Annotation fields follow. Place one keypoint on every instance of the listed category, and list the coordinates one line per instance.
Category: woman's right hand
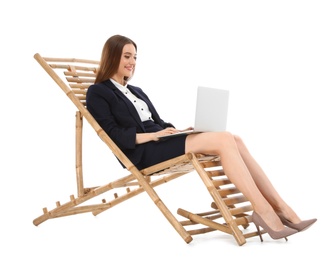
(166, 131)
(147, 137)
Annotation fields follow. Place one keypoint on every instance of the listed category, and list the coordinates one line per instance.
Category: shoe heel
(259, 232)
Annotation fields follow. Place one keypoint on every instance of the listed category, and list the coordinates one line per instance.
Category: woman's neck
(119, 80)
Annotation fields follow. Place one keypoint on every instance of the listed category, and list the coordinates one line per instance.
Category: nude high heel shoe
(301, 226)
(258, 221)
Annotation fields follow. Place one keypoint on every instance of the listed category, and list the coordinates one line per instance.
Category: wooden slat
(215, 173)
(80, 80)
(211, 164)
(232, 200)
(180, 163)
(79, 86)
(70, 60)
(80, 74)
(243, 220)
(80, 92)
(239, 210)
(68, 67)
(228, 191)
(221, 182)
(204, 221)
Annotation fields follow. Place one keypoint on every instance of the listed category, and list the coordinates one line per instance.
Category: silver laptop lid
(211, 109)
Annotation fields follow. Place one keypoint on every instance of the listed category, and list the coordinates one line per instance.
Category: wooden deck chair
(229, 212)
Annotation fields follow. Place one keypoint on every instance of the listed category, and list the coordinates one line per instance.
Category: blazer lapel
(132, 109)
(155, 115)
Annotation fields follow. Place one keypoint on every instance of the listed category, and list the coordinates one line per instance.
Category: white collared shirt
(141, 107)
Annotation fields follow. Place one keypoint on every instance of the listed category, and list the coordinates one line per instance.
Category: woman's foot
(274, 234)
(300, 226)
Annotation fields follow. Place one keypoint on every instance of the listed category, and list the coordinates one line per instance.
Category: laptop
(211, 112)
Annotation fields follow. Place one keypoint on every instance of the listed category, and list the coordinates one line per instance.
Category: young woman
(127, 115)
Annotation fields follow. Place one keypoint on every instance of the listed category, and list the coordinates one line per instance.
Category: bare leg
(224, 145)
(264, 184)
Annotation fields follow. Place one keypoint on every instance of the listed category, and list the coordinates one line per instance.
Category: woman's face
(127, 63)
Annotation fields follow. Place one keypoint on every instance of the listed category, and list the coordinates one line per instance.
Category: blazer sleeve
(113, 115)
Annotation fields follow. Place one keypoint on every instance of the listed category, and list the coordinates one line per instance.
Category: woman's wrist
(154, 136)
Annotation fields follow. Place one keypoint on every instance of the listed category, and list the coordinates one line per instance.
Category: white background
(275, 57)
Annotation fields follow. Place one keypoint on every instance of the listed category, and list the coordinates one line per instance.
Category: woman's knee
(227, 135)
(237, 139)
(224, 138)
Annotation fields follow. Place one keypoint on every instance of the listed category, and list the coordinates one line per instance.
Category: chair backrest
(74, 76)
(79, 74)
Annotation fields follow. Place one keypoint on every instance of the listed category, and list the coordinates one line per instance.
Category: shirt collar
(120, 86)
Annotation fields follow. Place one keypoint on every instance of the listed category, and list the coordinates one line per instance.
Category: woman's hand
(166, 131)
(147, 137)
(187, 129)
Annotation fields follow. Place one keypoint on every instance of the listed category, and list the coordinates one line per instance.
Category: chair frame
(228, 203)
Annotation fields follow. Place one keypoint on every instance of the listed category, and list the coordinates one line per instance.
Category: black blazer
(118, 117)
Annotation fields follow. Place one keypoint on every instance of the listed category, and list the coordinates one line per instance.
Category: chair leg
(78, 153)
(165, 211)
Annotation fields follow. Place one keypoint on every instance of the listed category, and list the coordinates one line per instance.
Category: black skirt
(159, 151)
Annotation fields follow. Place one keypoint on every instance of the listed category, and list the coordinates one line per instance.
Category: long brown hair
(111, 56)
